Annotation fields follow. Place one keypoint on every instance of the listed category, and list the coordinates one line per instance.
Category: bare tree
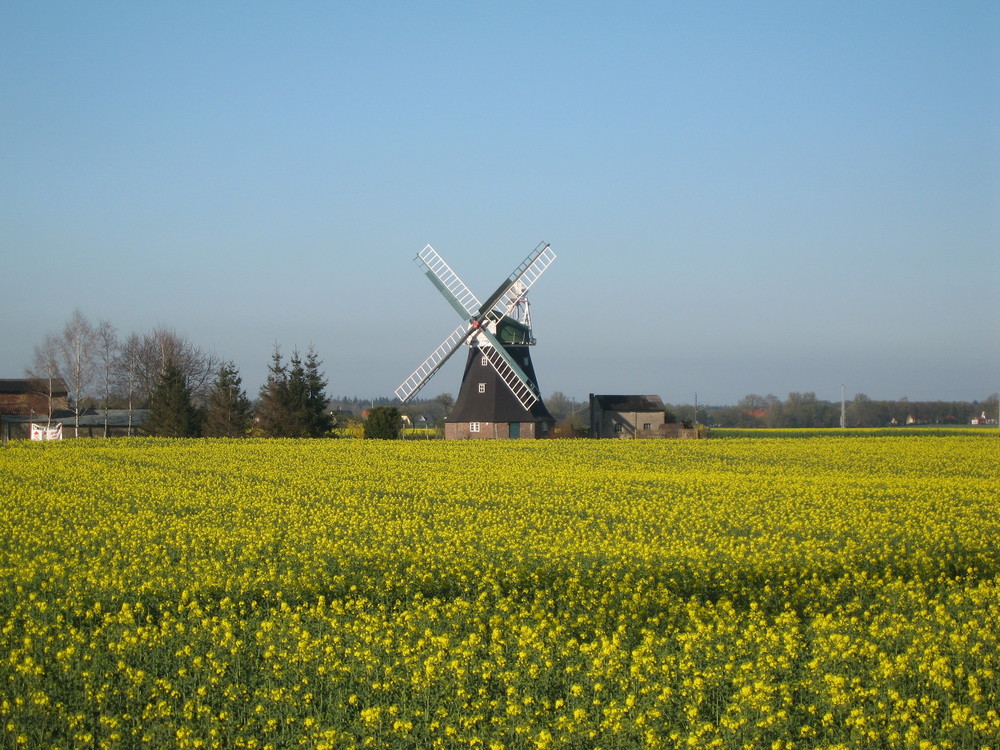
(127, 374)
(200, 367)
(197, 366)
(77, 349)
(44, 371)
(148, 354)
(107, 339)
(559, 405)
(142, 360)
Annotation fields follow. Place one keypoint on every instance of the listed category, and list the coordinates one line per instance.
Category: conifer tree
(297, 393)
(230, 412)
(293, 400)
(318, 419)
(171, 412)
(272, 407)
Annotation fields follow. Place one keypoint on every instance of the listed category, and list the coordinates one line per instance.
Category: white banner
(41, 432)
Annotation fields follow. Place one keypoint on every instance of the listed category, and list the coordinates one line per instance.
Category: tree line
(183, 390)
(805, 410)
(186, 391)
(796, 410)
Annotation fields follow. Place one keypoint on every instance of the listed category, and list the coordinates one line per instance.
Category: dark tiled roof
(24, 385)
(629, 403)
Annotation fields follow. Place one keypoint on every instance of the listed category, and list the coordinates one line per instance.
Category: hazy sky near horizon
(744, 197)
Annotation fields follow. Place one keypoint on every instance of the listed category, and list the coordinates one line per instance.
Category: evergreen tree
(293, 400)
(318, 419)
(272, 409)
(383, 423)
(229, 410)
(297, 397)
(171, 412)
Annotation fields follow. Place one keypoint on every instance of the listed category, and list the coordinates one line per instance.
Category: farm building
(24, 402)
(119, 422)
(632, 417)
(25, 397)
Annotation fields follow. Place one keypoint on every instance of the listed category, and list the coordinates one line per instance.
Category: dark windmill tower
(499, 396)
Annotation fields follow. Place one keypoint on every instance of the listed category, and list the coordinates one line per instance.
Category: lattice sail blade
(525, 275)
(521, 278)
(508, 370)
(453, 288)
(433, 363)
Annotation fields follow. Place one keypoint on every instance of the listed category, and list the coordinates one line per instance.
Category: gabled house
(633, 417)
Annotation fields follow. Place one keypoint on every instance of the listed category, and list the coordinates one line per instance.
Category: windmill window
(473, 426)
(482, 387)
(618, 427)
(484, 361)
(647, 426)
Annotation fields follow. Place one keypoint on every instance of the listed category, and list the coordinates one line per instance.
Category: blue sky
(744, 197)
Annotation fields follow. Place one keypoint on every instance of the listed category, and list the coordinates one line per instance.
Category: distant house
(633, 417)
(26, 397)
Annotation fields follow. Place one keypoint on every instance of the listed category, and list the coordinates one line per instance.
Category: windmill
(499, 395)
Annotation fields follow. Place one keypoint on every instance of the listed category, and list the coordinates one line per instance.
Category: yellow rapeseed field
(746, 593)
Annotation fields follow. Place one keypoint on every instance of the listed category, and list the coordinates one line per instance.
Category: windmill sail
(433, 363)
(509, 372)
(502, 300)
(453, 288)
(521, 277)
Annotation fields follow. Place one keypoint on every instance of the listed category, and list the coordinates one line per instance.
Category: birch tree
(77, 349)
(107, 338)
(44, 371)
(127, 375)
